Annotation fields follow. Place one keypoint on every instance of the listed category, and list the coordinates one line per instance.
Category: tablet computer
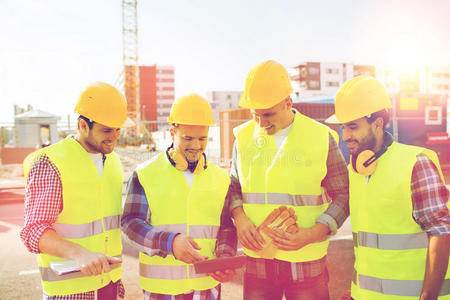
(68, 266)
(64, 267)
(220, 264)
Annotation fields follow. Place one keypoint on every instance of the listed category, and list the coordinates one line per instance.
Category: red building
(157, 93)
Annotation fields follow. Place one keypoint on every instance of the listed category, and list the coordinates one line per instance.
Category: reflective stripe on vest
(412, 288)
(285, 199)
(391, 241)
(168, 272)
(163, 272)
(47, 274)
(195, 231)
(78, 231)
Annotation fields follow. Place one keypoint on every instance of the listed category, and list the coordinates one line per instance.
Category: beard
(192, 158)
(366, 143)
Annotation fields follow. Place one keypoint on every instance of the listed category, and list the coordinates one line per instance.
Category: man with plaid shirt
(398, 202)
(73, 201)
(282, 157)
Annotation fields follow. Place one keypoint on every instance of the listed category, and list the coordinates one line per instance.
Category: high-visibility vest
(91, 212)
(194, 211)
(390, 247)
(289, 176)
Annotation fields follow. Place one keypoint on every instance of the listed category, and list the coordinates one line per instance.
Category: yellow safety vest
(291, 176)
(176, 207)
(91, 212)
(390, 247)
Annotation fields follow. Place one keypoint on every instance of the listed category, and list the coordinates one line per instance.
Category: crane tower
(130, 61)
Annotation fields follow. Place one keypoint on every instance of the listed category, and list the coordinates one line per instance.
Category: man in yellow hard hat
(282, 157)
(175, 213)
(398, 202)
(73, 202)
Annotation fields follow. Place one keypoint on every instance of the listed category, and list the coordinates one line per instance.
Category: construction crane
(130, 62)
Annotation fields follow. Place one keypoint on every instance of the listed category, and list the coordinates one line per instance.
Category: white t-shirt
(281, 135)
(98, 161)
(189, 177)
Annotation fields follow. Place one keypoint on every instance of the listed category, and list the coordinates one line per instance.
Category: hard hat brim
(128, 123)
(333, 120)
(252, 105)
(244, 103)
(170, 121)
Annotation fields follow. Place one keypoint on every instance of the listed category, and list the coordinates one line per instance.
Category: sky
(50, 50)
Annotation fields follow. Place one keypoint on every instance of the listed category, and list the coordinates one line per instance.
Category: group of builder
(181, 209)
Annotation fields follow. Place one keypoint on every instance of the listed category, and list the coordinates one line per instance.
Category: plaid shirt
(43, 204)
(429, 198)
(135, 224)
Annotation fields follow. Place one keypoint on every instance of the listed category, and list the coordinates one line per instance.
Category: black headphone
(365, 162)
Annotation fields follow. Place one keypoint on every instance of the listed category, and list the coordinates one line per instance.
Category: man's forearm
(234, 196)
(90, 263)
(337, 188)
(53, 244)
(226, 243)
(436, 267)
(238, 212)
(135, 223)
(145, 238)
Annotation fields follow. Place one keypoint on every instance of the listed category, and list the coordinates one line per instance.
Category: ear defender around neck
(365, 163)
(180, 162)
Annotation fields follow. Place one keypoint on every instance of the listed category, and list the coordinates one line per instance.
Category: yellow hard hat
(104, 104)
(267, 84)
(357, 98)
(191, 110)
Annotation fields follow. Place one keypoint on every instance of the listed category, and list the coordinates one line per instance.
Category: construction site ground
(19, 275)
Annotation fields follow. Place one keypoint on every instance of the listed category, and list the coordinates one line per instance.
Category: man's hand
(184, 248)
(92, 263)
(303, 237)
(246, 232)
(223, 276)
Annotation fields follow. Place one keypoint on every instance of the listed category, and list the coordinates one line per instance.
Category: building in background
(221, 100)
(437, 80)
(430, 80)
(157, 93)
(318, 79)
(35, 129)
(323, 79)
